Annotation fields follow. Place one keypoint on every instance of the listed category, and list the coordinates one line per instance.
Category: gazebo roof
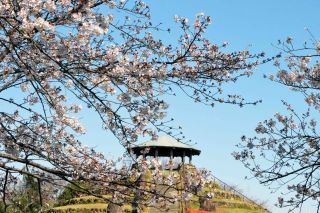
(164, 144)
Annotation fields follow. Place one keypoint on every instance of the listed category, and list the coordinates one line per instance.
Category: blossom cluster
(285, 152)
(59, 56)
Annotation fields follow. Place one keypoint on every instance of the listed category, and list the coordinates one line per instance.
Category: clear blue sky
(244, 24)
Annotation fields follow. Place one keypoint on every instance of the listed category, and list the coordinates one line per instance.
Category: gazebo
(165, 146)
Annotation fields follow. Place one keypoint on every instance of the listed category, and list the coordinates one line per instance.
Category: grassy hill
(225, 200)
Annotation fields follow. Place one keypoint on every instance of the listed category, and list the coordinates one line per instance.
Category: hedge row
(78, 210)
(226, 195)
(81, 201)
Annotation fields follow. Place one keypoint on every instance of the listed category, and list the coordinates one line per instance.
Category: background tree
(27, 197)
(57, 56)
(286, 152)
(27, 194)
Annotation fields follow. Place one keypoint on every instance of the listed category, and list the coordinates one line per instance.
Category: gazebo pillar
(190, 159)
(171, 159)
(156, 153)
(183, 156)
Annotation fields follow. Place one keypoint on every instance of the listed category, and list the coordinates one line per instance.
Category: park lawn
(83, 206)
(91, 197)
(89, 206)
(238, 210)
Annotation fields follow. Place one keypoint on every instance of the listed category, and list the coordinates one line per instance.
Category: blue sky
(247, 24)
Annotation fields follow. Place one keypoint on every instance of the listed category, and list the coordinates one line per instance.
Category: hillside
(226, 200)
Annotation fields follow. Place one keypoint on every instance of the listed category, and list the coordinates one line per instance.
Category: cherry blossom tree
(59, 56)
(286, 151)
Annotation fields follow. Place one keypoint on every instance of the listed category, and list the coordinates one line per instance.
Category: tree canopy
(285, 153)
(59, 56)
